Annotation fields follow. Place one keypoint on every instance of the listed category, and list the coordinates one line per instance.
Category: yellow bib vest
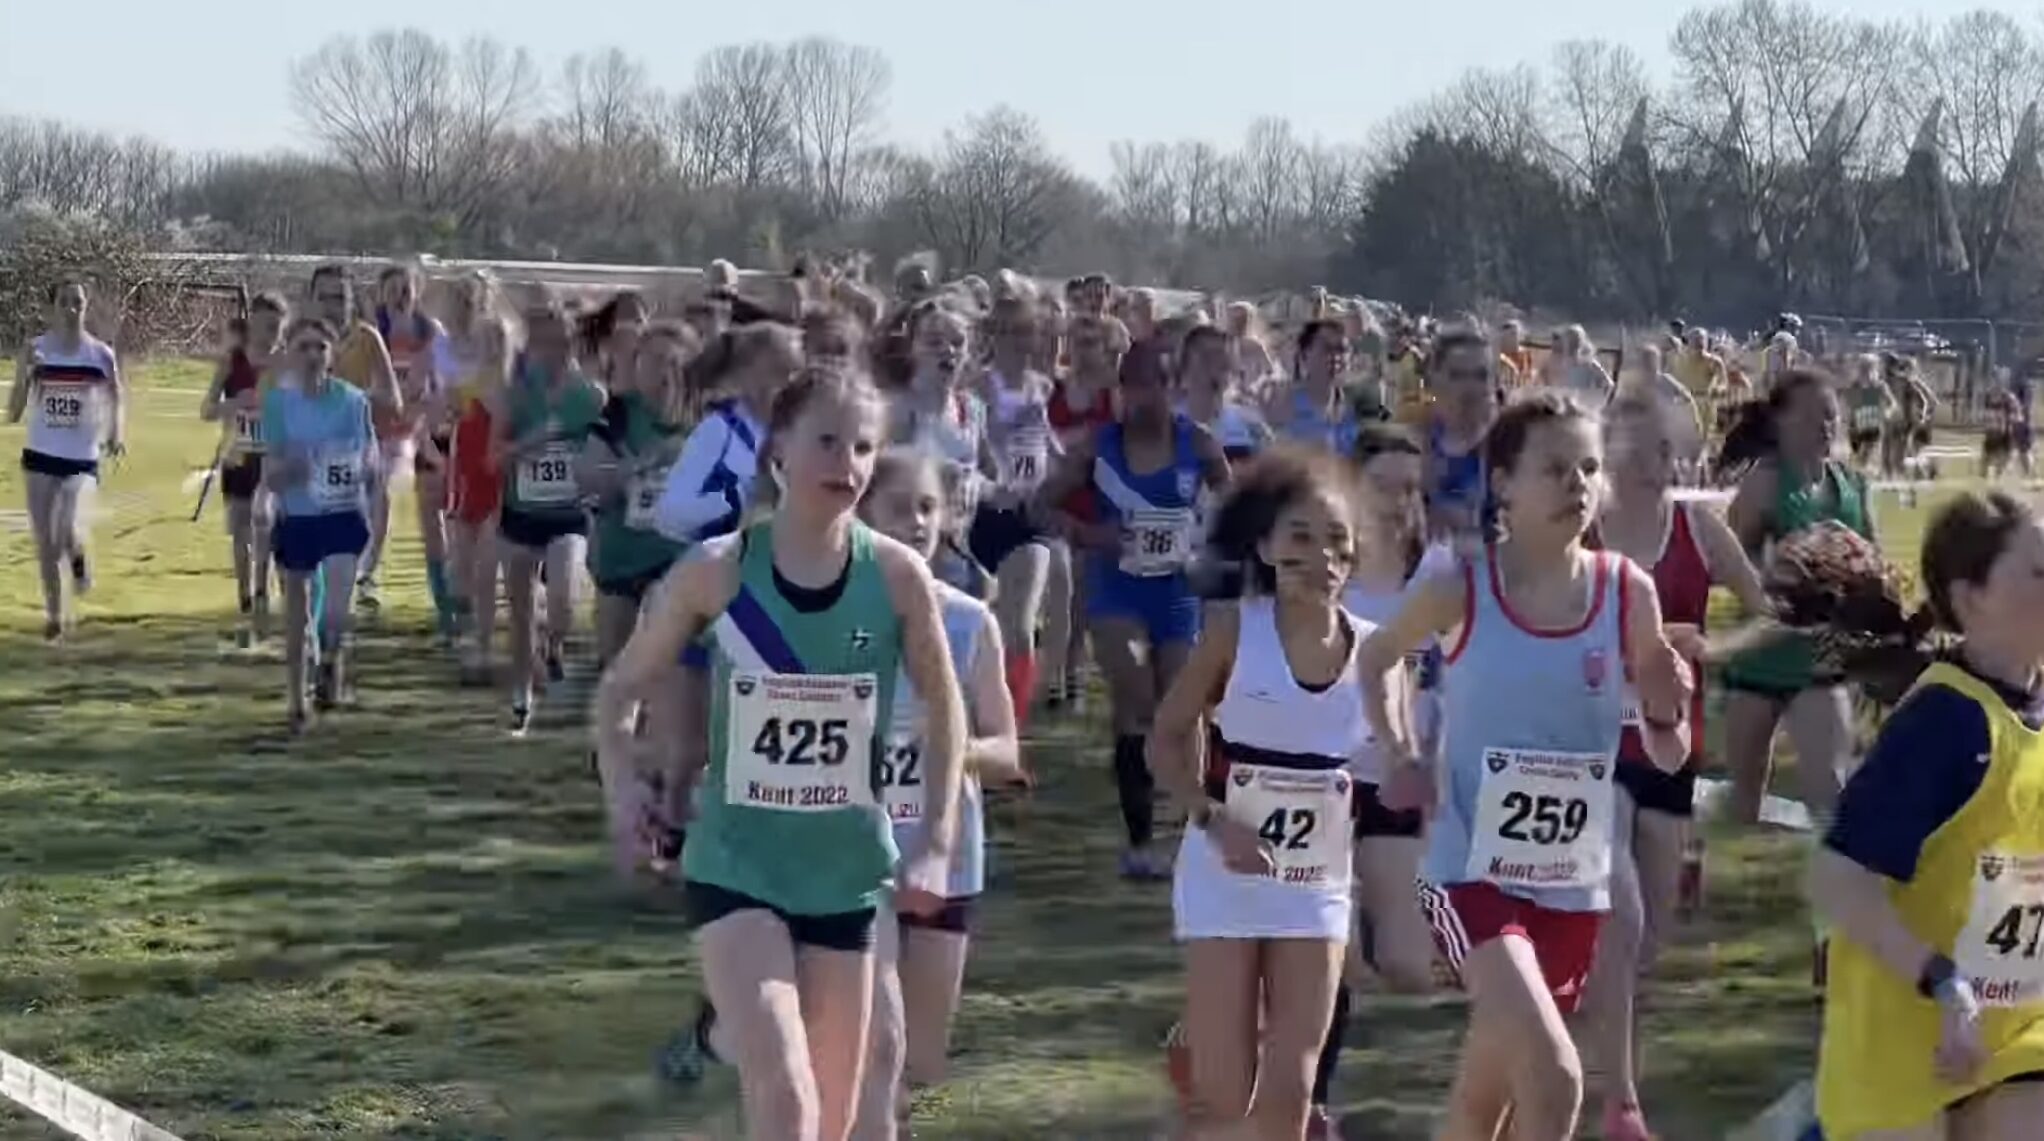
(1978, 896)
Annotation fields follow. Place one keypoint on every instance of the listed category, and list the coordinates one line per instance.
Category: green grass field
(402, 926)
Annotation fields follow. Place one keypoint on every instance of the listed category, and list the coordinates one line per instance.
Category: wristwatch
(1937, 971)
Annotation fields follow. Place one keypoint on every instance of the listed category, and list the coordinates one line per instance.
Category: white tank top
(1264, 706)
(71, 392)
(1019, 423)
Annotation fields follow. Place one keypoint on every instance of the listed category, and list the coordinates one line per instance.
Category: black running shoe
(521, 719)
(687, 1055)
(81, 574)
(323, 688)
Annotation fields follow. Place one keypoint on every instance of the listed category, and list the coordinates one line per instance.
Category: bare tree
(421, 126)
(836, 95)
(740, 101)
(1198, 170)
(1592, 89)
(1271, 158)
(607, 101)
(1143, 182)
(991, 198)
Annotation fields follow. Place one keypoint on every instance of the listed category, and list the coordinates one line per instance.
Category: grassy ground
(402, 927)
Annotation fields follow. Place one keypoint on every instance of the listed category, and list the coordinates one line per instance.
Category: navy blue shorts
(1673, 794)
(998, 532)
(1166, 607)
(303, 542)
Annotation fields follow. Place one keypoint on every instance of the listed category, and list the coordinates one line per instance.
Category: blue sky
(210, 74)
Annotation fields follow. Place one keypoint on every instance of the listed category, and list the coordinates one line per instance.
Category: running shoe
(521, 719)
(1140, 865)
(53, 630)
(324, 691)
(81, 574)
(368, 594)
(687, 1056)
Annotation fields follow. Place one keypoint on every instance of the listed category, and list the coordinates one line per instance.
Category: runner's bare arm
(383, 388)
(926, 659)
(117, 396)
(17, 396)
(209, 404)
(1858, 902)
(993, 751)
(1751, 513)
(1437, 607)
(1213, 459)
(698, 590)
(1726, 559)
(1659, 674)
(1174, 751)
(1070, 474)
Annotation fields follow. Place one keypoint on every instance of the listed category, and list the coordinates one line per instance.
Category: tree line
(1792, 158)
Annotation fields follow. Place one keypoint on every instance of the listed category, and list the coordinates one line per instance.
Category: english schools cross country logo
(1594, 669)
(1991, 868)
(862, 688)
(1495, 760)
(744, 685)
(1596, 770)
(1241, 778)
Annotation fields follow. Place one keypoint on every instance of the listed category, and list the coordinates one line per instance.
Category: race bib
(1027, 459)
(1156, 541)
(337, 479)
(642, 495)
(900, 777)
(548, 479)
(1868, 419)
(1302, 816)
(1543, 819)
(63, 404)
(1633, 722)
(248, 433)
(2001, 951)
(800, 742)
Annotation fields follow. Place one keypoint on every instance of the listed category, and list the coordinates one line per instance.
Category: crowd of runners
(1405, 624)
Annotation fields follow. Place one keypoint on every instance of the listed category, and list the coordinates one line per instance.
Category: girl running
(545, 415)
(235, 400)
(1207, 373)
(1251, 359)
(737, 375)
(1868, 407)
(1930, 873)
(475, 357)
(1147, 470)
(407, 433)
(321, 460)
(1463, 376)
(1003, 537)
(1261, 894)
(935, 413)
(1313, 409)
(1783, 445)
(1688, 549)
(1080, 404)
(811, 616)
(623, 470)
(1543, 637)
(920, 960)
(79, 414)
(1997, 442)
(1909, 431)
